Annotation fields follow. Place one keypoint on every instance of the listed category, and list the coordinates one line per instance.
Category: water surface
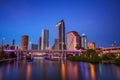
(58, 70)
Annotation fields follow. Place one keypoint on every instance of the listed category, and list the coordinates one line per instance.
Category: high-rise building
(34, 46)
(39, 43)
(55, 46)
(84, 41)
(60, 36)
(73, 40)
(45, 41)
(91, 45)
(24, 42)
(13, 42)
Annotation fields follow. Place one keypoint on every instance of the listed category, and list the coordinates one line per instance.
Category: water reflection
(8, 68)
(28, 74)
(86, 70)
(55, 70)
(72, 71)
(0, 74)
(92, 70)
(117, 71)
(63, 73)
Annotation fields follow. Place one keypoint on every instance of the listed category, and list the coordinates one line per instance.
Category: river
(58, 70)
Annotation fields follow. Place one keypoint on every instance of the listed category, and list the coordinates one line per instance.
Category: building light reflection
(117, 72)
(8, 68)
(92, 70)
(0, 75)
(72, 71)
(28, 74)
(86, 70)
(63, 71)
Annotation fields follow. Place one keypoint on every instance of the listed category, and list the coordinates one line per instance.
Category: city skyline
(99, 20)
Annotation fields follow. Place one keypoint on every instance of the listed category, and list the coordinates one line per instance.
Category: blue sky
(98, 19)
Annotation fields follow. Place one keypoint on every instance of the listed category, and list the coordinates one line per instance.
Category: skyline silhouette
(99, 20)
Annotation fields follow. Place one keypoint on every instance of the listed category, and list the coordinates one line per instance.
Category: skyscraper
(39, 43)
(73, 40)
(13, 42)
(45, 41)
(91, 45)
(60, 36)
(84, 41)
(24, 42)
(34, 46)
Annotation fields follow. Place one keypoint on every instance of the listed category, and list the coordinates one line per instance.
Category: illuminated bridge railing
(47, 51)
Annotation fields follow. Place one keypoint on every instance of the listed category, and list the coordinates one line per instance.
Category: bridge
(50, 53)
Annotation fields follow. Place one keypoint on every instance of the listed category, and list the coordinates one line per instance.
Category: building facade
(60, 36)
(45, 39)
(56, 44)
(91, 45)
(39, 43)
(84, 41)
(24, 42)
(34, 46)
(73, 41)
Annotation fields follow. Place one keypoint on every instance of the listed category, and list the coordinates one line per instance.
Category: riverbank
(92, 56)
(94, 59)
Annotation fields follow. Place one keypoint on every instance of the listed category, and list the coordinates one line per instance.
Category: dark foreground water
(55, 70)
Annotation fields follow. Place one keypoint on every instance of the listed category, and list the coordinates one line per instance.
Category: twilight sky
(98, 19)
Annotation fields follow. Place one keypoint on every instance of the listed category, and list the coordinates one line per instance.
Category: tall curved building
(24, 42)
(60, 36)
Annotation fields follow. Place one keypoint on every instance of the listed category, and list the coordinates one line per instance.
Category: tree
(90, 52)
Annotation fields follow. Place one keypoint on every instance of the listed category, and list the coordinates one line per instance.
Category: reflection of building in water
(92, 70)
(86, 65)
(117, 72)
(0, 75)
(28, 74)
(63, 71)
(72, 71)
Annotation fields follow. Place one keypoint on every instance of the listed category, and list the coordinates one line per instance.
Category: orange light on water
(28, 72)
(63, 71)
(92, 70)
